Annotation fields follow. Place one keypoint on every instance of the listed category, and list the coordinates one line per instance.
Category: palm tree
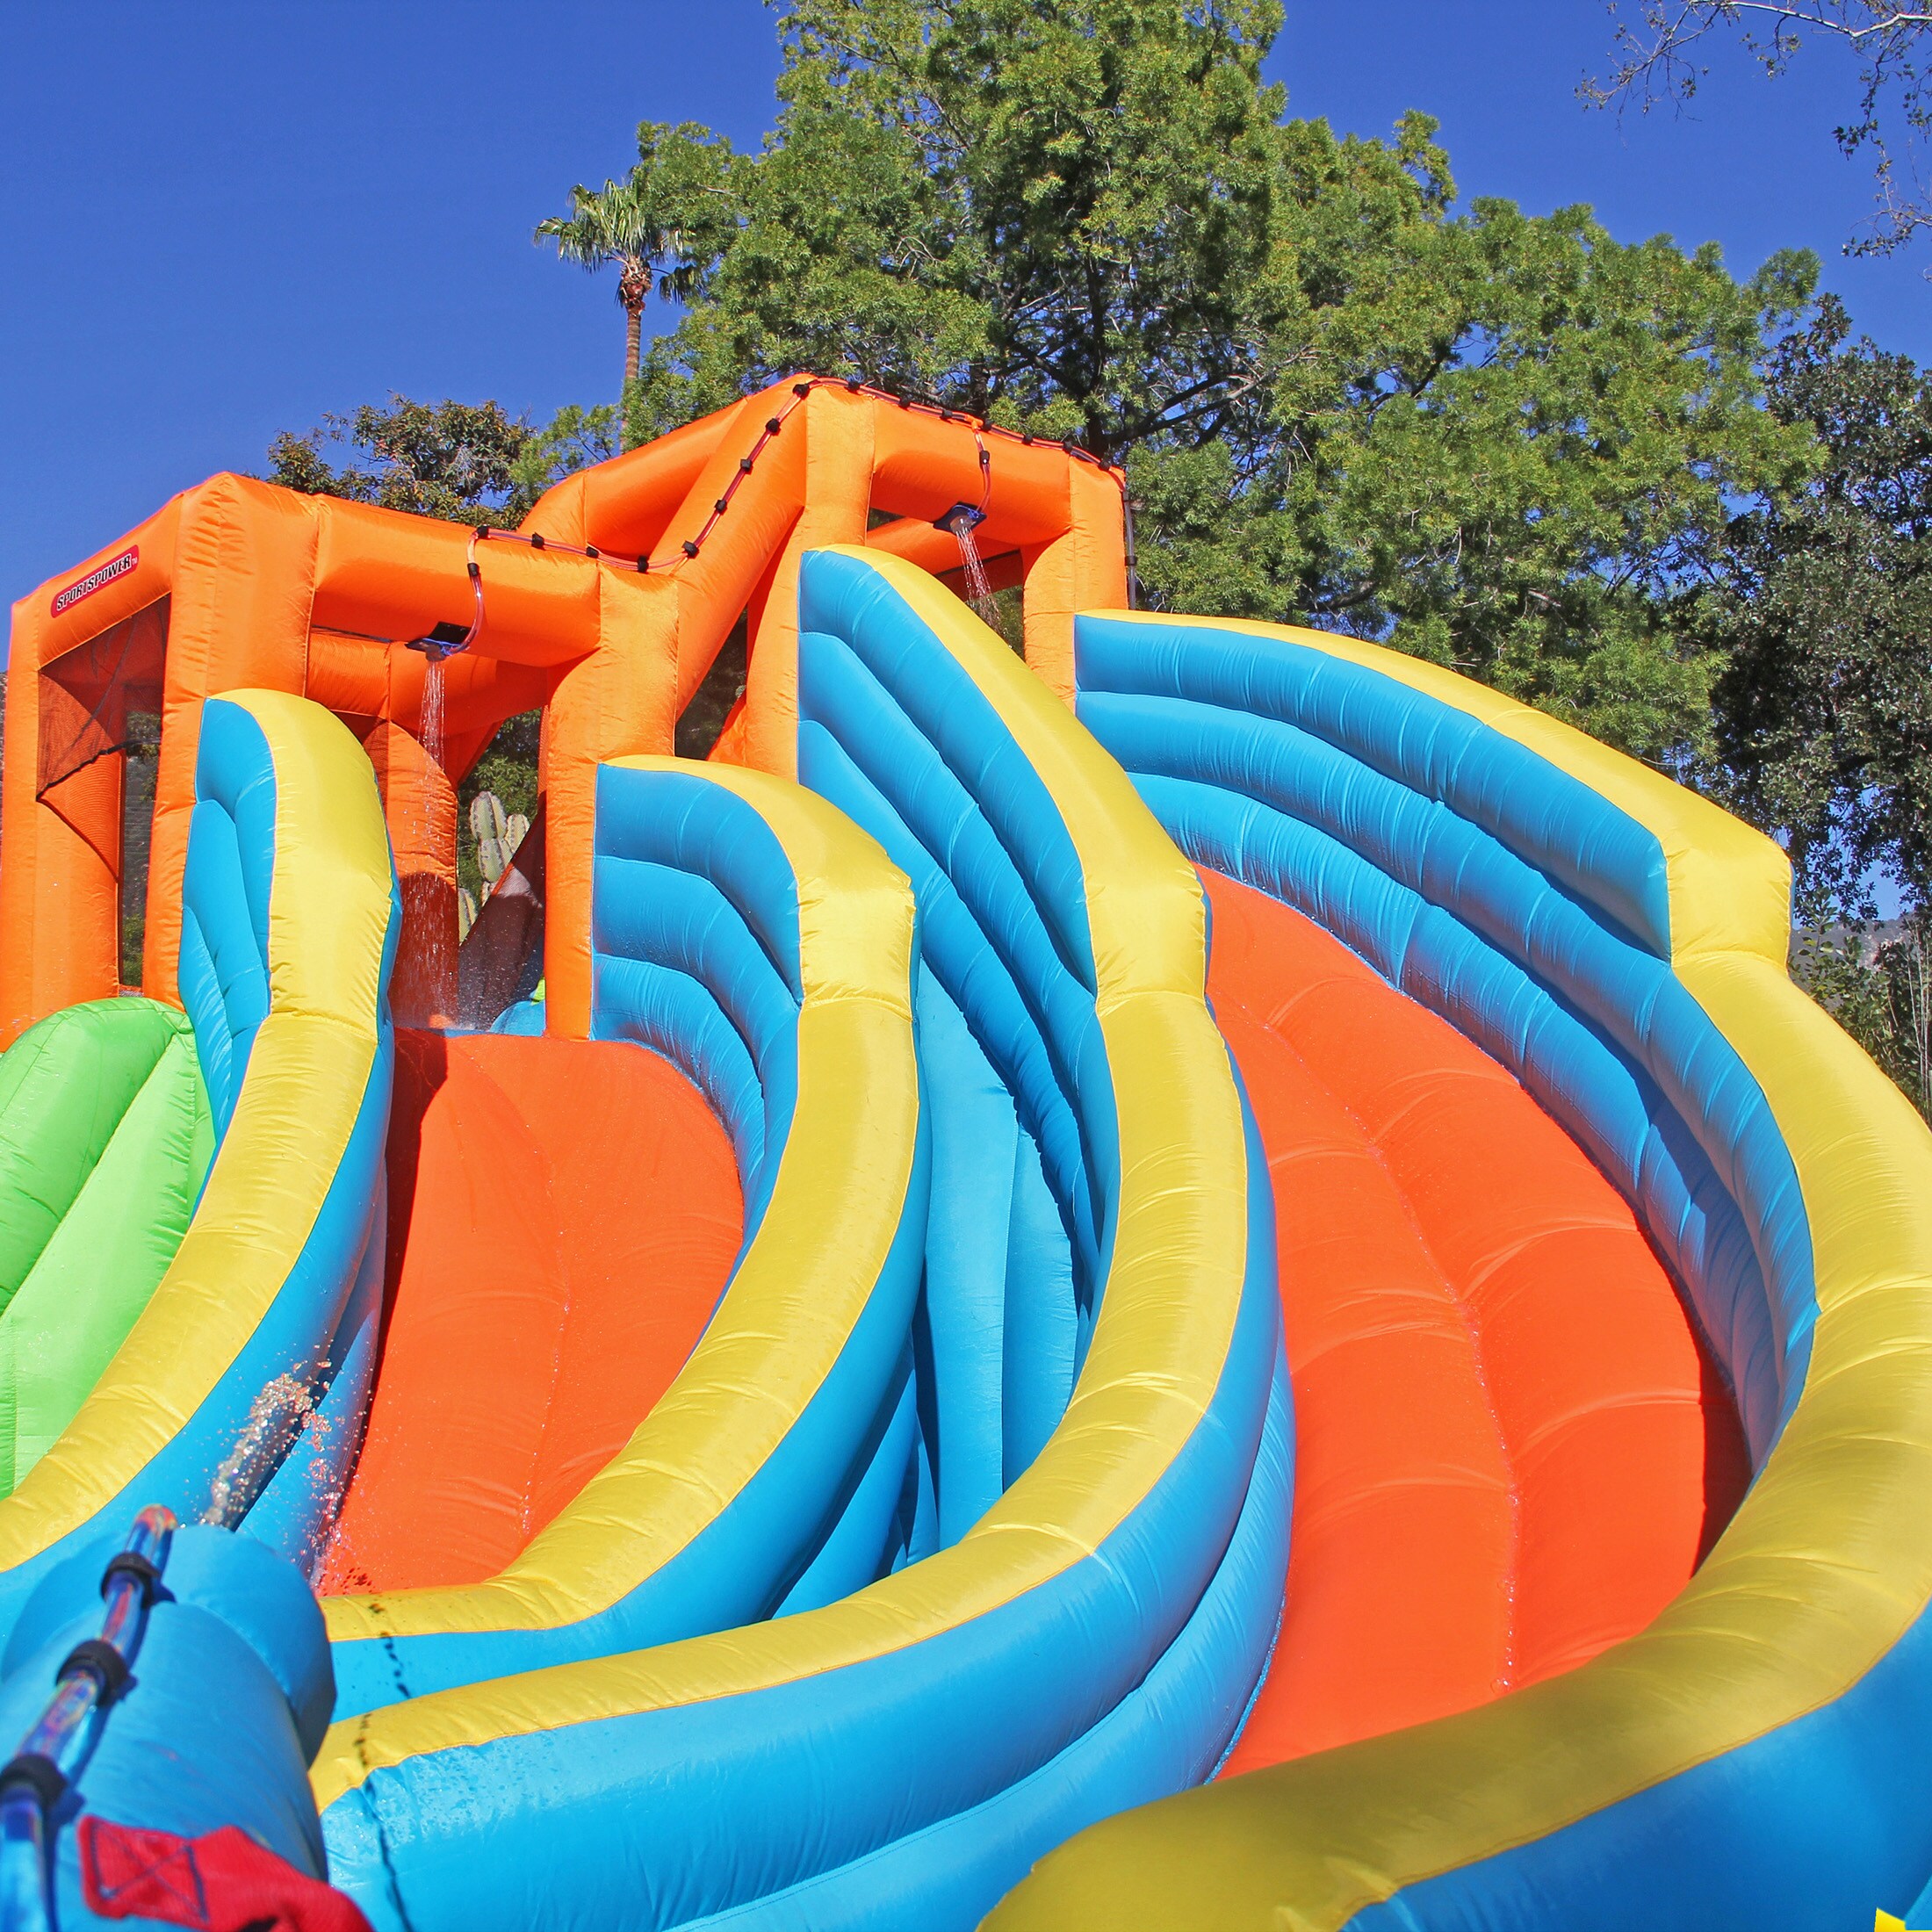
(614, 225)
(662, 223)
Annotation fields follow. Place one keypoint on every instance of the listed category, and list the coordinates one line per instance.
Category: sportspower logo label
(96, 580)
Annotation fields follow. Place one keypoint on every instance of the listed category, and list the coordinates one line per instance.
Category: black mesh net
(90, 695)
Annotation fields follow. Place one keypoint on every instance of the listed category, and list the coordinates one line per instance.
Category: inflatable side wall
(106, 1137)
(185, 1799)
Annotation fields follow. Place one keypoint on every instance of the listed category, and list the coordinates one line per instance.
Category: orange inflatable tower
(607, 610)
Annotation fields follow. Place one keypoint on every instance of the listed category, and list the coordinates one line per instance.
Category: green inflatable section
(105, 1137)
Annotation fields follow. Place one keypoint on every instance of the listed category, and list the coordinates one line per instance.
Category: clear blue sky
(219, 218)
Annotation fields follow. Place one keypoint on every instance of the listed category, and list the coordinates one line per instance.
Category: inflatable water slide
(1156, 1271)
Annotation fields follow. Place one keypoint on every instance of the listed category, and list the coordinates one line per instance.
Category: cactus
(466, 912)
(497, 837)
(487, 823)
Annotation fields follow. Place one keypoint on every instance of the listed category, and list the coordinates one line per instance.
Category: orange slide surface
(1511, 1448)
(563, 1216)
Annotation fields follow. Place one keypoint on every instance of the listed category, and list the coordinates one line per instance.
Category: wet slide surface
(1511, 1450)
(563, 1216)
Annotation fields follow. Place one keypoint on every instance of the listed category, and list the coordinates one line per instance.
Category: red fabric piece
(221, 1881)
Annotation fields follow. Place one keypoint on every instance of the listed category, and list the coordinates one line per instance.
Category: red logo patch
(96, 580)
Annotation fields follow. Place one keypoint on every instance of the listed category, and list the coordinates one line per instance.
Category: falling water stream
(979, 590)
(435, 707)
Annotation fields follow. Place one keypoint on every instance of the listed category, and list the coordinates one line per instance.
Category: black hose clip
(104, 1662)
(132, 1563)
(32, 1773)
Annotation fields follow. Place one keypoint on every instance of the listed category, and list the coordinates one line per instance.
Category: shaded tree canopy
(1822, 614)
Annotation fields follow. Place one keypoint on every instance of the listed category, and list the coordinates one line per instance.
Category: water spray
(276, 1417)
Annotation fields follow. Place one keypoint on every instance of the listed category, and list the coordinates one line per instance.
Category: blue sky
(219, 218)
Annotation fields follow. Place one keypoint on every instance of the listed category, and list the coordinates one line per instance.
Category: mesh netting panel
(89, 693)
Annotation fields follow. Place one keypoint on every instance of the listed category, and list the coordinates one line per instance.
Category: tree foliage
(1495, 440)
(466, 463)
(1034, 210)
(657, 227)
(1823, 616)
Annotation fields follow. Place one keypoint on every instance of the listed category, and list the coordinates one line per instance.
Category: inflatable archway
(1205, 1218)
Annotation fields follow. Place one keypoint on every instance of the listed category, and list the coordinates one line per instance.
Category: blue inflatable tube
(1757, 1755)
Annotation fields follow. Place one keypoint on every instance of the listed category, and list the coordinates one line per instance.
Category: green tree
(1823, 614)
(656, 227)
(464, 462)
(1497, 441)
(1502, 446)
(1053, 214)
(1820, 613)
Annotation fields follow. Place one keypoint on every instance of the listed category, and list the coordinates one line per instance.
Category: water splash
(284, 1407)
(325, 1480)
